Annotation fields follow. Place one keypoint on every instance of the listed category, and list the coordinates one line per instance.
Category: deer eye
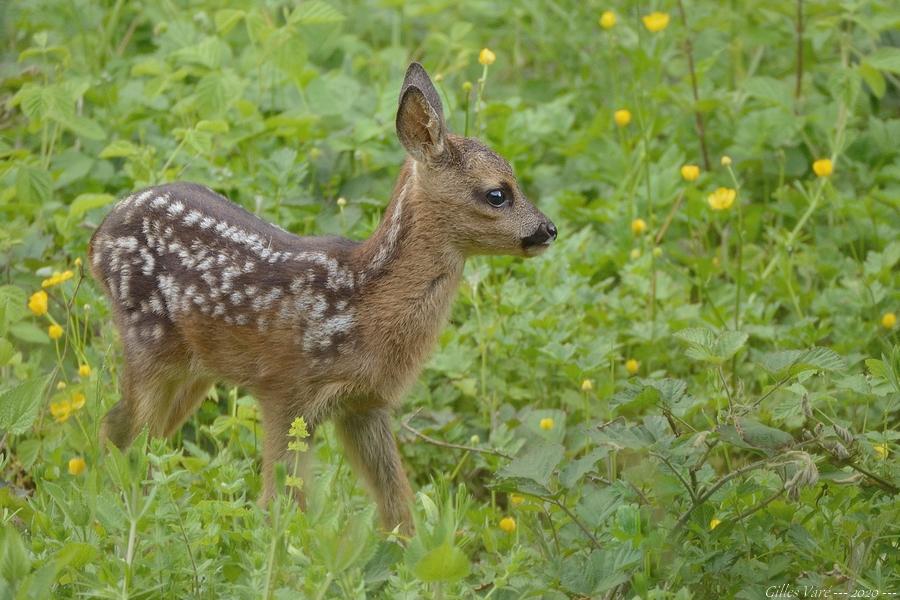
(496, 198)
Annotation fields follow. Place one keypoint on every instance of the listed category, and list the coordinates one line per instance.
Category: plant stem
(798, 88)
(698, 117)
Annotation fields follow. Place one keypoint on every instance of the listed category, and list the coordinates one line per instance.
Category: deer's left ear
(420, 116)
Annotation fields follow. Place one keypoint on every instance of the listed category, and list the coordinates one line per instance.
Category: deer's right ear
(420, 117)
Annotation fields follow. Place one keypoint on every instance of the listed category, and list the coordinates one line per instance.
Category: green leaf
(753, 434)
(791, 362)
(227, 18)
(707, 346)
(444, 563)
(80, 126)
(86, 202)
(874, 79)
(884, 59)
(315, 13)
(535, 463)
(19, 405)
(33, 185)
(14, 561)
(120, 149)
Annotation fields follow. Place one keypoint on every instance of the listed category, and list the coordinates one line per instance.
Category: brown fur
(299, 354)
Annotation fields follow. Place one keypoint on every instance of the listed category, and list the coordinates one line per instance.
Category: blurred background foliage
(679, 401)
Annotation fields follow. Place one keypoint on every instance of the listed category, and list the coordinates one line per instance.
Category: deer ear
(420, 116)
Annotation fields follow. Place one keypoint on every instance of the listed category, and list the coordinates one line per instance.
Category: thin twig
(759, 506)
(698, 117)
(680, 477)
(575, 520)
(669, 217)
(405, 425)
(883, 483)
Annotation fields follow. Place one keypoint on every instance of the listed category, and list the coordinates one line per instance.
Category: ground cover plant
(693, 394)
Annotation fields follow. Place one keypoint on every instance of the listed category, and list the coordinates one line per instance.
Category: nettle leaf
(120, 149)
(652, 432)
(19, 405)
(708, 346)
(227, 18)
(884, 59)
(601, 571)
(33, 185)
(790, 362)
(315, 13)
(536, 463)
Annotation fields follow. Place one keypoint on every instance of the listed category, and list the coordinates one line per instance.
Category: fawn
(318, 327)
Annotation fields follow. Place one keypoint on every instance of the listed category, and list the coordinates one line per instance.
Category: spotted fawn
(317, 327)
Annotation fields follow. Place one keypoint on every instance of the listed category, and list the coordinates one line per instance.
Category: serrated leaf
(884, 59)
(754, 434)
(315, 13)
(86, 202)
(791, 362)
(536, 463)
(708, 346)
(227, 18)
(33, 185)
(444, 563)
(79, 125)
(19, 405)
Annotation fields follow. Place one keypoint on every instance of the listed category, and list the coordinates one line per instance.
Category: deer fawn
(318, 327)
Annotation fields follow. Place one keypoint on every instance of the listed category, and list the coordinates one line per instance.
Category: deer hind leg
(185, 401)
(372, 451)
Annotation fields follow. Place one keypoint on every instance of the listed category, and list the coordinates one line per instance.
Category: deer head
(468, 188)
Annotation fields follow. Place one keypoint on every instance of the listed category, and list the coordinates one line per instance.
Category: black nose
(544, 234)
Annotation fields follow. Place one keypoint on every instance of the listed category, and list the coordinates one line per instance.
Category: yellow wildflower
(714, 523)
(635, 253)
(61, 411)
(486, 57)
(37, 304)
(881, 450)
(587, 385)
(622, 117)
(78, 262)
(608, 19)
(77, 401)
(516, 499)
(889, 320)
(690, 172)
(547, 424)
(84, 370)
(61, 385)
(77, 465)
(726, 161)
(722, 198)
(638, 226)
(632, 366)
(57, 278)
(55, 331)
(823, 167)
(508, 524)
(656, 21)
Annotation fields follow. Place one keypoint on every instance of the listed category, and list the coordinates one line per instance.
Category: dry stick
(799, 29)
(669, 217)
(405, 425)
(698, 118)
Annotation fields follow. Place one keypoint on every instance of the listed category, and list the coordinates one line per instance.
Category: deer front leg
(372, 451)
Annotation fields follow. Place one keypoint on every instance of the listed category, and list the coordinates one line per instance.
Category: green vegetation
(694, 393)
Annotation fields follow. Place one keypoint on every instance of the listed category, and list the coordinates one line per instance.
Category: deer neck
(410, 274)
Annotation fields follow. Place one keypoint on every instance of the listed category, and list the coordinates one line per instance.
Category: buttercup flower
(78, 262)
(84, 370)
(632, 366)
(690, 172)
(587, 385)
(823, 167)
(714, 523)
(726, 161)
(638, 226)
(486, 57)
(77, 401)
(889, 320)
(656, 21)
(55, 331)
(622, 117)
(881, 450)
(516, 499)
(546, 424)
(61, 385)
(608, 19)
(57, 278)
(61, 411)
(76, 466)
(508, 524)
(635, 253)
(37, 304)
(722, 198)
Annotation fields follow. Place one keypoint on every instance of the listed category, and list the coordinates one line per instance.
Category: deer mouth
(540, 240)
